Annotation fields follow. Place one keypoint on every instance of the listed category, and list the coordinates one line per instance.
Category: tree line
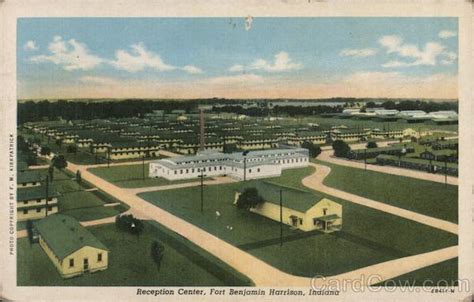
(32, 111)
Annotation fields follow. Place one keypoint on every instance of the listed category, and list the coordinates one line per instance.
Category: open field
(183, 264)
(425, 197)
(368, 237)
(131, 176)
(441, 274)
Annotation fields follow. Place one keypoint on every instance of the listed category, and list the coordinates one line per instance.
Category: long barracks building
(255, 164)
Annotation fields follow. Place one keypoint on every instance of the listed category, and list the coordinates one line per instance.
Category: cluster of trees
(341, 148)
(249, 198)
(29, 156)
(30, 111)
(416, 105)
(278, 110)
(130, 224)
(371, 145)
(157, 252)
(314, 150)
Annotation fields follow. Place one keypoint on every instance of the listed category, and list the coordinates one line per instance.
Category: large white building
(255, 164)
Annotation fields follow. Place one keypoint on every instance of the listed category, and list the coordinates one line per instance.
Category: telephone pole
(47, 193)
(202, 189)
(281, 218)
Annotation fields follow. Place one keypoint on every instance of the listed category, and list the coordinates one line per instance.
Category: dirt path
(327, 157)
(260, 272)
(315, 181)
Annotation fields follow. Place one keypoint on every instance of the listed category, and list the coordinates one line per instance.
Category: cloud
(71, 55)
(30, 45)
(446, 34)
(282, 63)
(236, 68)
(428, 55)
(138, 59)
(243, 79)
(361, 53)
(97, 80)
(192, 69)
(449, 58)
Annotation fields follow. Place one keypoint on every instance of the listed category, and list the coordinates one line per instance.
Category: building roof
(415, 160)
(37, 192)
(28, 176)
(292, 198)
(65, 235)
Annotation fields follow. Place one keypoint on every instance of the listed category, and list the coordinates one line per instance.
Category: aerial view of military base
(317, 156)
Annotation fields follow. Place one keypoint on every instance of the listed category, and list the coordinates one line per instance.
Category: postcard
(275, 150)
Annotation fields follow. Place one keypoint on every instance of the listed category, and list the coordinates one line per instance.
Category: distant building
(28, 179)
(256, 164)
(35, 203)
(301, 209)
(70, 246)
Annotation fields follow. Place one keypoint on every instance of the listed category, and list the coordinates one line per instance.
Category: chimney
(202, 141)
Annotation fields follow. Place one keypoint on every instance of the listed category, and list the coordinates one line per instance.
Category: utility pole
(365, 158)
(445, 171)
(108, 157)
(202, 189)
(281, 218)
(47, 193)
(245, 163)
(143, 166)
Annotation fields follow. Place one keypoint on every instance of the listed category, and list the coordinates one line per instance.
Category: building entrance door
(86, 264)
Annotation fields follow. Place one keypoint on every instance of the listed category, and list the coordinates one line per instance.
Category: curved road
(315, 181)
(261, 273)
(328, 157)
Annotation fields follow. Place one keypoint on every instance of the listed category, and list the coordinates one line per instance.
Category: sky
(237, 57)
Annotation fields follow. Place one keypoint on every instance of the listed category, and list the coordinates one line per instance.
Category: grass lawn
(425, 197)
(441, 274)
(131, 176)
(368, 237)
(184, 264)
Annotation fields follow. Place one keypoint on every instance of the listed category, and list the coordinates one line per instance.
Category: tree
(59, 143)
(341, 148)
(157, 252)
(372, 144)
(45, 151)
(51, 173)
(370, 105)
(59, 162)
(129, 224)
(249, 198)
(78, 177)
(71, 149)
(314, 150)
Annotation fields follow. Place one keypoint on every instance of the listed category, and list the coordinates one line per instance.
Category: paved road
(260, 272)
(315, 181)
(327, 156)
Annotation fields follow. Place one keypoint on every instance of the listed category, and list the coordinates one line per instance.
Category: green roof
(28, 176)
(65, 235)
(418, 160)
(21, 165)
(292, 198)
(35, 193)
